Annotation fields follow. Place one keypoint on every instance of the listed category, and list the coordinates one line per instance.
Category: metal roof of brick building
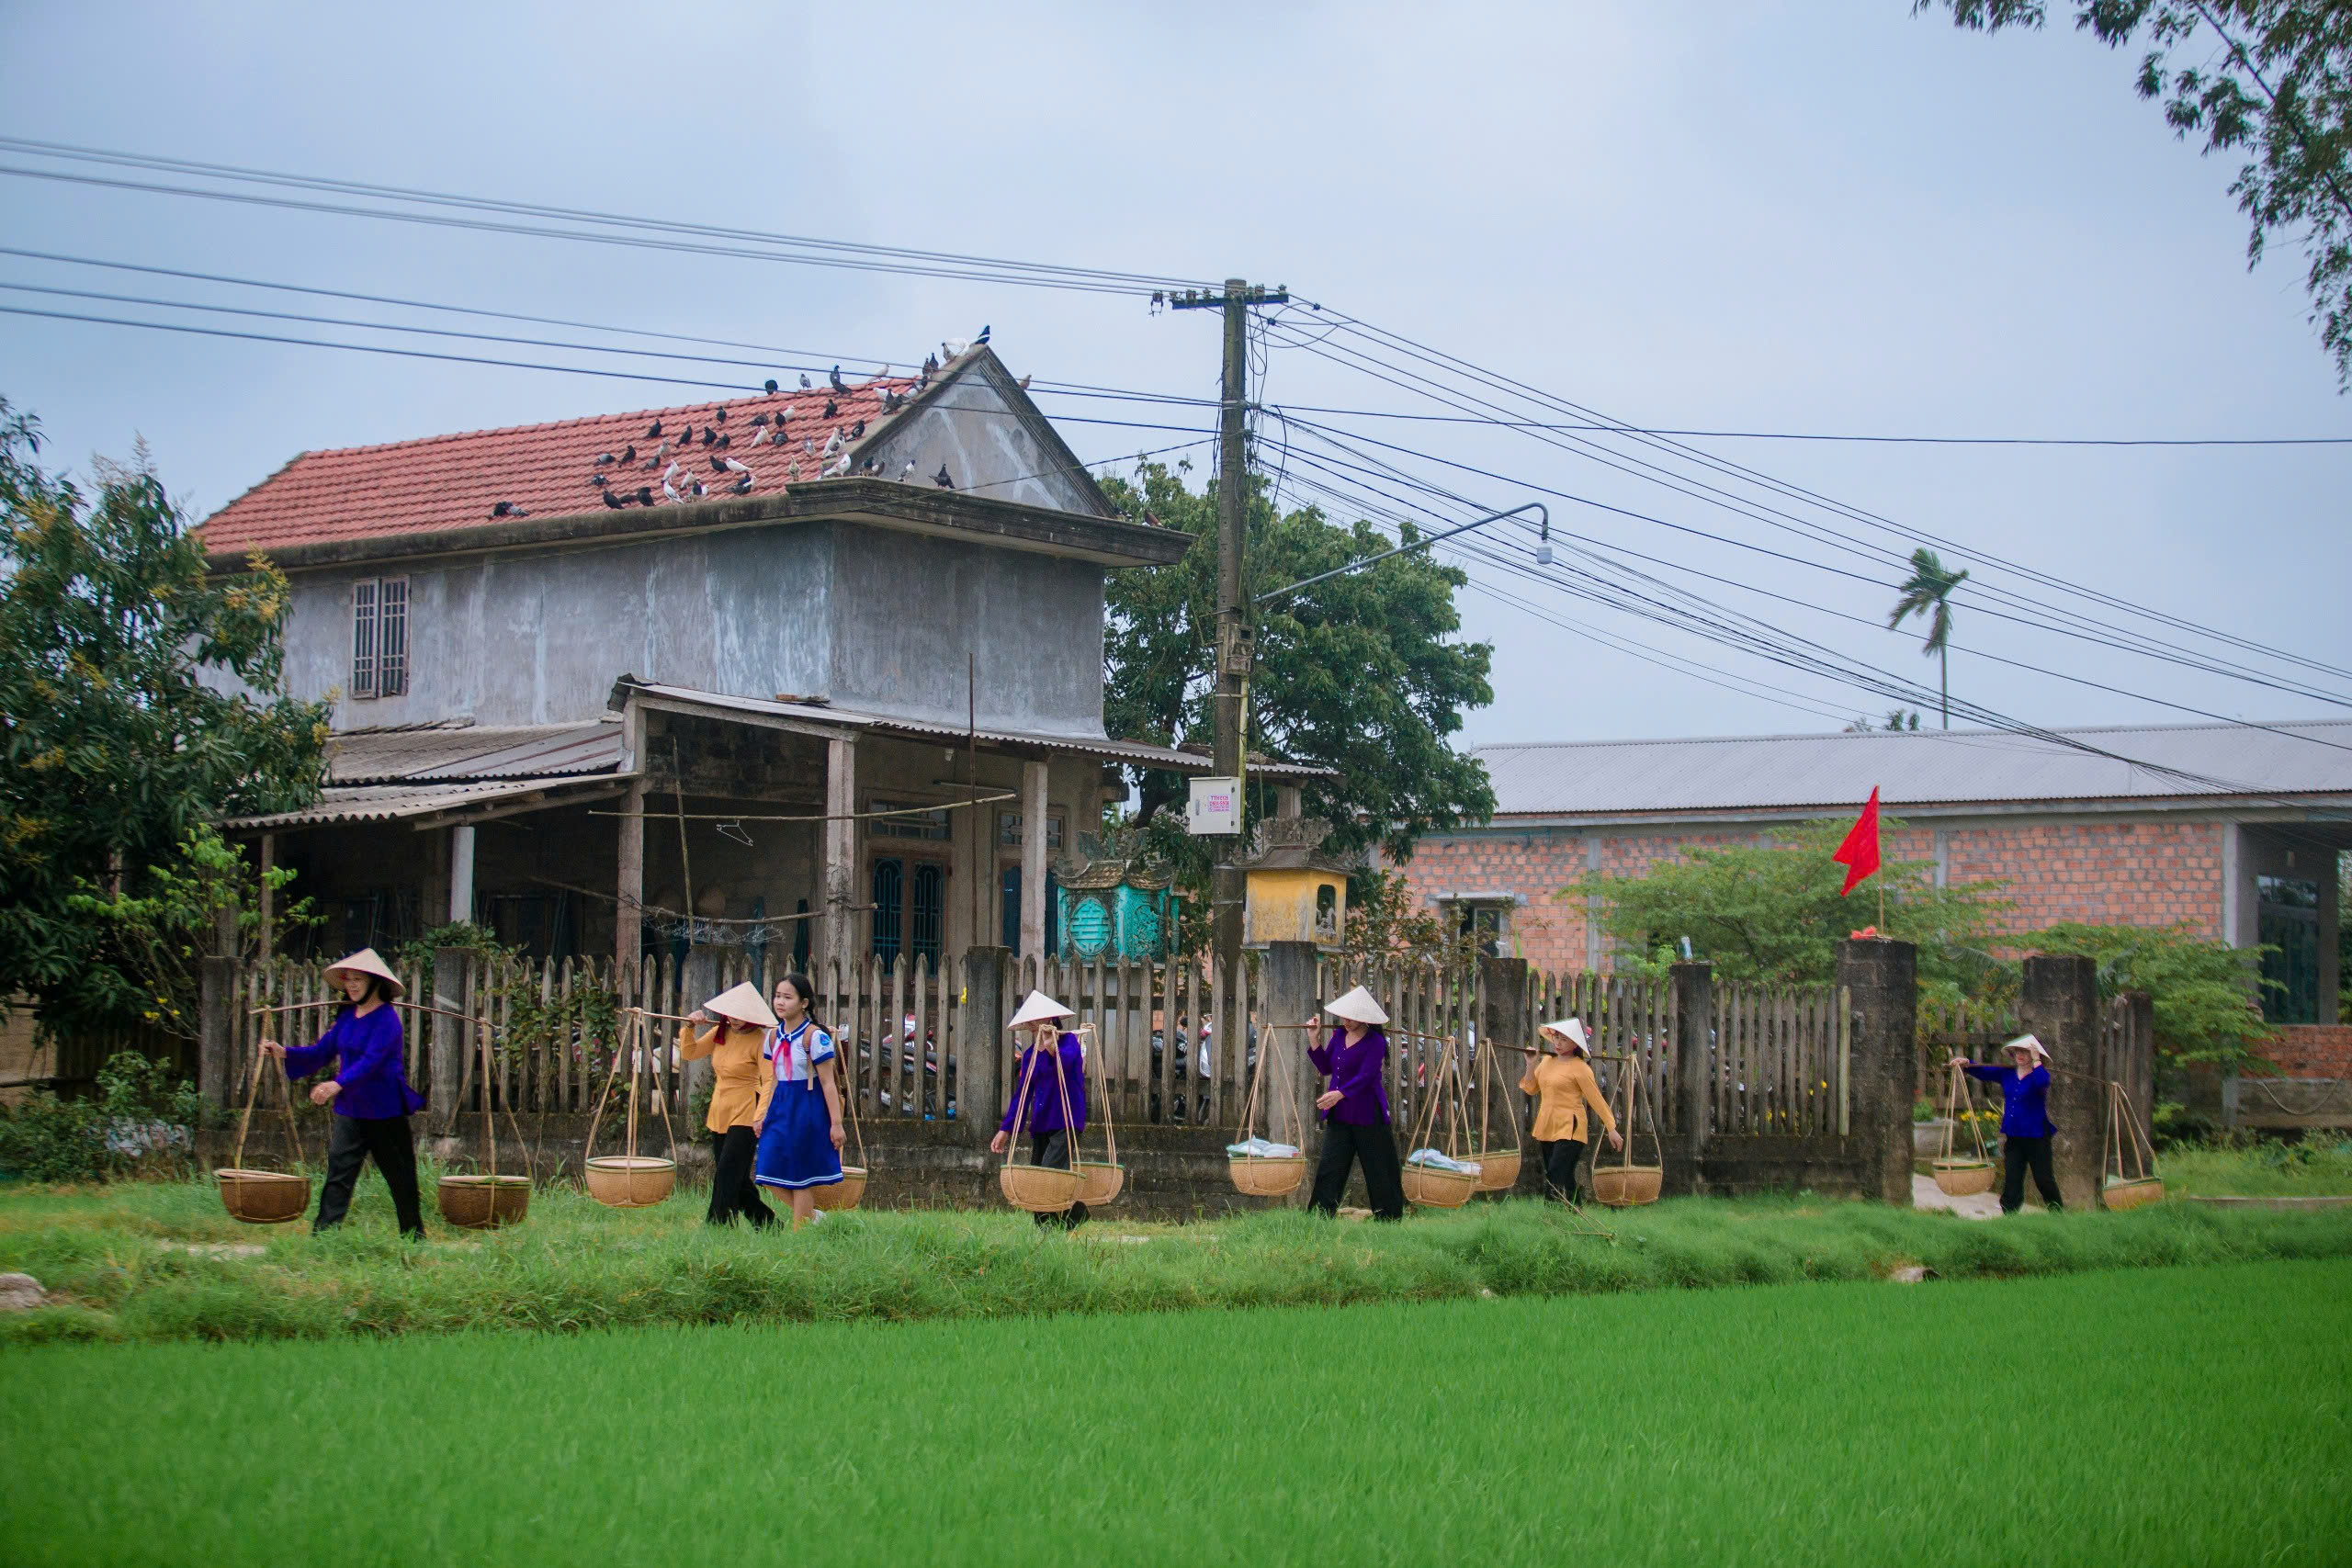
(1598, 778)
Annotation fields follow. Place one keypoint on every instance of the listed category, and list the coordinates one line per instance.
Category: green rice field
(2156, 1417)
(161, 1261)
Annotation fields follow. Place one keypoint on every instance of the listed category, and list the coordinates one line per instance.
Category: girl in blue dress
(800, 1132)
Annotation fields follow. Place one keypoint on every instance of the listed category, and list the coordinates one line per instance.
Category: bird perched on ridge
(953, 348)
(655, 432)
(805, 382)
(832, 443)
(839, 385)
(645, 495)
(1024, 383)
(722, 415)
(743, 485)
(857, 431)
(832, 407)
(614, 502)
(941, 479)
(906, 474)
(772, 387)
(982, 338)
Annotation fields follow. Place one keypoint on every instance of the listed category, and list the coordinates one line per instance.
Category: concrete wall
(875, 619)
(989, 449)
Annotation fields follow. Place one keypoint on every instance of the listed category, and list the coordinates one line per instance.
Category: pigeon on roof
(832, 407)
(941, 479)
(730, 465)
(857, 431)
(840, 466)
(982, 338)
(758, 420)
(629, 453)
(1024, 383)
(645, 495)
(792, 471)
(953, 347)
(603, 459)
(743, 485)
(616, 503)
(906, 474)
(722, 415)
(655, 431)
(789, 409)
(832, 443)
(835, 378)
(804, 381)
(772, 387)
(597, 479)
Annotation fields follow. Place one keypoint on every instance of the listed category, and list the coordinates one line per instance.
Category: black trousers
(1561, 1158)
(2017, 1156)
(1052, 1151)
(733, 1193)
(1344, 1145)
(353, 1140)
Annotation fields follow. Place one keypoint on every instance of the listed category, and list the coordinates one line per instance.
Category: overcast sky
(1817, 217)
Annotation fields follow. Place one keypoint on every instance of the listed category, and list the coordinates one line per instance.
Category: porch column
(1032, 860)
(2330, 919)
(629, 880)
(461, 873)
(840, 840)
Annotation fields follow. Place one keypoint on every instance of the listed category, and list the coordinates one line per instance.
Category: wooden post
(979, 1042)
(2058, 1004)
(1502, 1028)
(1290, 1083)
(840, 869)
(1032, 859)
(215, 1017)
(1882, 977)
(268, 900)
(1694, 1042)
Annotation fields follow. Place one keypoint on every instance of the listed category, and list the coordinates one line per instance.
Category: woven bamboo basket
(1040, 1189)
(1101, 1182)
(1962, 1177)
(846, 1193)
(2129, 1193)
(1499, 1171)
(484, 1202)
(263, 1197)
(631, 1181)
(1430, 1188)
(1261, 1176)
(1626, 1186)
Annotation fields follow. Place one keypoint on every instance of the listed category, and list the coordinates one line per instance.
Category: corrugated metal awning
(402, 802)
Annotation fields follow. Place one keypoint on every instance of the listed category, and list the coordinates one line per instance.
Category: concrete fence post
(2140, 1067)
(1503, 1026)
(1882, 978)
(215, 1024)
(1288, 997)
(2058, 1004)
(450, 990)
(1694, 1059)
(980, 1041)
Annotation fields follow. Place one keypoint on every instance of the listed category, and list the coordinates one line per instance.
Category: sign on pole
(1215, 807)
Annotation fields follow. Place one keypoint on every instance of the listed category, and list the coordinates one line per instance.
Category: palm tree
(1928, 593)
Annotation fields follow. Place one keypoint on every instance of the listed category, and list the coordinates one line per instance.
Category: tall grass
(134, 1262)
(2160, 1416)
(2319, 1166)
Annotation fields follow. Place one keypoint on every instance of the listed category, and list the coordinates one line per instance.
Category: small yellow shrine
(1296, 893)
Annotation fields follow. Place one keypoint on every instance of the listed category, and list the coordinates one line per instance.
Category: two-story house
(828, 658)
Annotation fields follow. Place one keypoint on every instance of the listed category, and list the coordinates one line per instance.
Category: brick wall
(2312, 1050)
(2150, 873)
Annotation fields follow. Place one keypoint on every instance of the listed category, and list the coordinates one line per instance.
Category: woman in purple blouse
(2026, 1130)
(1355, 1110)
(1052, 1075)
(369, 1091)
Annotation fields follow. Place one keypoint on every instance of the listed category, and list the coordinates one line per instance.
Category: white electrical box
(1215, 807)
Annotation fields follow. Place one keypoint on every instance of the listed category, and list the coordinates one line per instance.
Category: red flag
(1858, 853)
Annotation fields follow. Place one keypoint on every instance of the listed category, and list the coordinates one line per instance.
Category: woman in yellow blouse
(739, 1092)
(1563, 1084)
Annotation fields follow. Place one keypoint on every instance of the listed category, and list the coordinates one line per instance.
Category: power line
(820, 251)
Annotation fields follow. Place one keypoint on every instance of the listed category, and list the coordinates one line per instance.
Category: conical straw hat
(2027, 1042)
(1568, 1028)
(744, 1004)
(1037, 1009)
(1357, 1007)
(364, 961)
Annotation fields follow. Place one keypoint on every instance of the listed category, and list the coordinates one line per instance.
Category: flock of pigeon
(694, 463)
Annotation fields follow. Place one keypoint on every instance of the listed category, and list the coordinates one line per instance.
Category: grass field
(120, 1257)
(2319, 1166)
(2151, 1417)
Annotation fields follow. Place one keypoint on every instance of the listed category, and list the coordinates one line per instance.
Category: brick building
(2231, 829)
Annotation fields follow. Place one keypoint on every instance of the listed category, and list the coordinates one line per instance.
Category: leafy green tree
(1927, 591)
(2273, 77)
(1771, 912)
(139, 700)
(1363, 674)
(2204, 990)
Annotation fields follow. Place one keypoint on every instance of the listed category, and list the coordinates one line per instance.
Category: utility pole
(1227, 886)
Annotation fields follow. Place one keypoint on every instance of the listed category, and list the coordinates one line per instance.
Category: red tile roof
(545, 470)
